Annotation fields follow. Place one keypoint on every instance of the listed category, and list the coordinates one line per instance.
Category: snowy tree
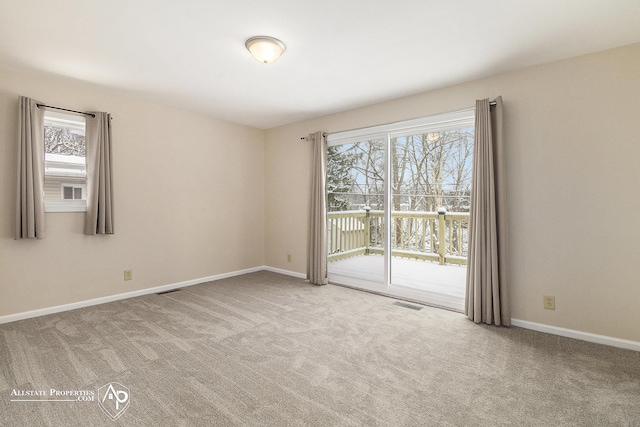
(428, 171)
(59, 140)
(340, 180)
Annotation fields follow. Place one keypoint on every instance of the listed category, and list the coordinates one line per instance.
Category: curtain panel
(317, 250)
(487, 292)
(29, 213)
(99, 218)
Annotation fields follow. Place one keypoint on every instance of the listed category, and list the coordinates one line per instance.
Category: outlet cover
(128, 274)
(549, 302)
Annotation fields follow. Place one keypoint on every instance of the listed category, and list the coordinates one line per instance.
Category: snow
(423, 275)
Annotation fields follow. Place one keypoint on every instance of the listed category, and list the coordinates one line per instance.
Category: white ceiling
(340, 54)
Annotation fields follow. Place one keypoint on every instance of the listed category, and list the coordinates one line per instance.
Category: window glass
(65, 172)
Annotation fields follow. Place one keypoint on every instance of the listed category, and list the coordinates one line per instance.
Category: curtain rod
(491, 104)
(65, 109)
(304, 138)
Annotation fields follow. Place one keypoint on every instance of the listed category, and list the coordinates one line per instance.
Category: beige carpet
(265, 349)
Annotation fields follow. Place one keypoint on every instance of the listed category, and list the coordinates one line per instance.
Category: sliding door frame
(431, 124)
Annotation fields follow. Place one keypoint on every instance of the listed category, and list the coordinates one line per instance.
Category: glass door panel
(430, 190)
(355, 218)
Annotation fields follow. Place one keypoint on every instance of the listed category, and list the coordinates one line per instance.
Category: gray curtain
(99, 219)
(30, 179)
(317, 251)
(487, 294)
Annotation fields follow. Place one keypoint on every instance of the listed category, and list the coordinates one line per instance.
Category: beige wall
(189, 202)
(573, 168)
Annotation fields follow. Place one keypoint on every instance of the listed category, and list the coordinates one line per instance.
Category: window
(73, 191)
(65, 170)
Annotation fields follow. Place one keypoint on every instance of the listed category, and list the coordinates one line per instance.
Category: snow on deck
(424, 275)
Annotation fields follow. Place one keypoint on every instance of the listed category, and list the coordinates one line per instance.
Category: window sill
(54, 205)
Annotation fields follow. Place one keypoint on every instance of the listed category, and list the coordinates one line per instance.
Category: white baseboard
(285, 272)
(584, 336)
(117, 297)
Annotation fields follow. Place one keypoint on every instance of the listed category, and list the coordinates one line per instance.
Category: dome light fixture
(265, 49)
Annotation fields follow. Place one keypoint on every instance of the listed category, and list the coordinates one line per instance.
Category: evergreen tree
(339, 179)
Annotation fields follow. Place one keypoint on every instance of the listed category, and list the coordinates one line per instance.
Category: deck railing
(433, 236)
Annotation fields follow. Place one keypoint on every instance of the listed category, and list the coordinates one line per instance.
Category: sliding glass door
(398, 203)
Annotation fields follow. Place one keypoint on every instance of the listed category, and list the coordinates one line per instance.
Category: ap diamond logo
(114, 399)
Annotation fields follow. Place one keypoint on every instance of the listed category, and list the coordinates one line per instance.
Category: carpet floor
(265, 349)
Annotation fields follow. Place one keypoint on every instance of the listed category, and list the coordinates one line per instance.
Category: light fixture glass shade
(265, 49)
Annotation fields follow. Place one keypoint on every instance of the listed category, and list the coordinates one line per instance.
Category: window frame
(65, 205)
(434, 123)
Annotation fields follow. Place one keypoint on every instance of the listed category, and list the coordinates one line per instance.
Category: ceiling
(341, 54)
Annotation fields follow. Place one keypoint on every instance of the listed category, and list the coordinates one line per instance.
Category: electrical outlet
(128, 275)
(549, 302)
(288, 257)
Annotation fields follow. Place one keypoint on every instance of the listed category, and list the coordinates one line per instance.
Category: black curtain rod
(64, 109)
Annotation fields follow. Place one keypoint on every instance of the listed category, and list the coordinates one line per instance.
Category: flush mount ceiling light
(265, 49)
